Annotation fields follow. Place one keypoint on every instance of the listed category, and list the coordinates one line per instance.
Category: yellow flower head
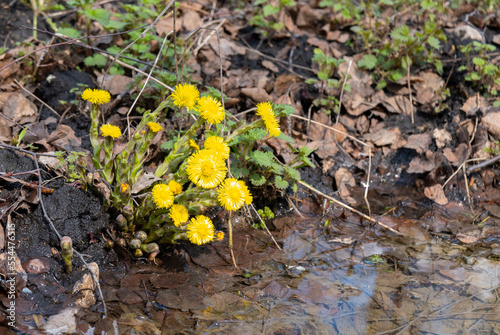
(200, 230)
(210, 109)
(265, 110)
(219, 236)
(194, 145)
(233, 194)
(124, 187)
(111, 131)
(175, 187)
(185, 95)
(179, 214)
(217, 144)
(162, 196)
(154, 127)
(96, 96)
(206, 168)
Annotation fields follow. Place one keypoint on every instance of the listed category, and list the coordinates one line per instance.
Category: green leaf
(270, 10)
(167, 146)
(89, 61)
(257, 179)
(286, 138)
(70, 32)
(257, 134)
(311, 81)
(401, 33)
(21, 136)
(283, 110)
(294, 174)
(367, 62)
(478, 61)
(280, 183)
(474, 76)
(99, 14)
(462, 68)
(433, 42)
(496, 103)
(261, 158)
(238, 172)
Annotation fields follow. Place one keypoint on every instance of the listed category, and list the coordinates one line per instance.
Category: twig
(409, 85)
(230, 229)
(348, 207)
(265, 226)
(37, 98)
(483, 164)
(17, 124)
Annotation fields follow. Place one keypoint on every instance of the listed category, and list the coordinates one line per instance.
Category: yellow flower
(265, 110)
(179, 214)
(185, 95)
(175, 187)
(162, 196)
(206, 168)
(219, 236)
(154, 127)
(96, 96)
(233, 194)
(217, 144)
(210, 109)
(112, 131)
(200, 230)
(193, 145)
(124, 187)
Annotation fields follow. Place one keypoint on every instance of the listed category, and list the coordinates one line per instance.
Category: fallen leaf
(436, 193)
(442, 137)
(492, 123)
(419, 142)
(475, 104)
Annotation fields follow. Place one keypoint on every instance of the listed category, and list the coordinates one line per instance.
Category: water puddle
(343, 279)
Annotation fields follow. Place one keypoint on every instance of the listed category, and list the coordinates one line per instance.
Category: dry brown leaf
(492, 123)
(19, 108)
(419, 142)
(384, 137)
(468, 238)
(421, 164)
(115, 84)
(442, 137)
(436, 193)
(191, 20)
(257, 94)
(474, 104)
(345, 179)
(399, 104)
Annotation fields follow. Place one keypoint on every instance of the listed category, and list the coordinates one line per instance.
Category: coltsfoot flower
(124, 187)
(194, 145)
(154, 127)
(175, 187)
(206, 168)
(179, 214)
(265, 110)
(96, 96)
(217, 144)
(185, 95)
(111, 131)
(211, 109)
(219, 236)
(233, 194)
(200, 230)
(162, 196)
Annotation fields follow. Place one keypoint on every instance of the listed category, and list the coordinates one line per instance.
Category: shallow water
(366, 285)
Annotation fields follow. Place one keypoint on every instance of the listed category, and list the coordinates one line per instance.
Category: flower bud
(138, 253)
(67, 252)
(134, 243)
(110, 244)
(128, 211)
(122, 222)
(121, 242)
(150, 247)
(140, 235)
